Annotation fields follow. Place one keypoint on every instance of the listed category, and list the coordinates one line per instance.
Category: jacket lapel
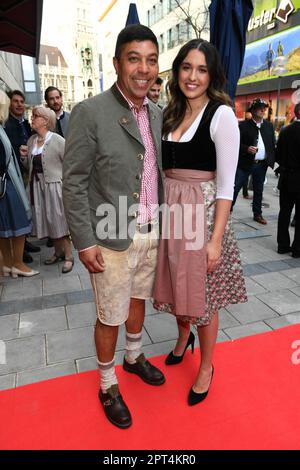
(156, 131)
(128, 122)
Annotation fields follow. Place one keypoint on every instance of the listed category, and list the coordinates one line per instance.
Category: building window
(161, 44)
(90, 83)
(170, 45)
(28, 74)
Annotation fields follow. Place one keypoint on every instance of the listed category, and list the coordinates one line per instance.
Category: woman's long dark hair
(175, 110)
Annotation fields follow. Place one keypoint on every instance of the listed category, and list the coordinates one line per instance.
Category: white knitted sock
(133, 346)
(107, 374)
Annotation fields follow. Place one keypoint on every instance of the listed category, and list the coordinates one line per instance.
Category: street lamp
(279, 70)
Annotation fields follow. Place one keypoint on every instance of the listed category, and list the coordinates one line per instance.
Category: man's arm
(78, 162)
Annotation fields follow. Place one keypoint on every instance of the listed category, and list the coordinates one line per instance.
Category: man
(113, 155)
(257, 152)
(269, 59)
(154, 92)
(54, 100)
(18, 131)
(279, 49)
(288, 157)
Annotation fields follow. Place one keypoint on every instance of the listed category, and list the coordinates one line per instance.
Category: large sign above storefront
(271, 16)
(261, 57)
(268, 16)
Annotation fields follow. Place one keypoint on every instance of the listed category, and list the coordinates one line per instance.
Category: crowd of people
(31, 170)
(111, 176)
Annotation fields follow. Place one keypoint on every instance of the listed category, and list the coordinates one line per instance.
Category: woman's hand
(23, 150)
(213, 250)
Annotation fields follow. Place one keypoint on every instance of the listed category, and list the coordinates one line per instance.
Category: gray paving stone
(274, 266)
(54, 300)
(7, 381)
(85, 281)
(253, 269)
(70, 344)
(253, 256)
(282, 301)
(42, 321)
(80, 297)
(286, 320)
(226, 320)
(45, 373)
(87, 363)
(222, 337)
(296, 290)
(149, 310)
(7, 308)
(274, 281)
(293, 262)
(253, 288)
(23, 354)
(161, 327)
(247, 330)
(251, 311)
(65, 284)
(22, 291)
(81, 315)
(293, 274)
(9, 326)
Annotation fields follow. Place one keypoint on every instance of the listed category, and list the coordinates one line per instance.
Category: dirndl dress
(182, 286)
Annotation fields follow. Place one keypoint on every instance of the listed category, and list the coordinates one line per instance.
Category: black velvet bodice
(197, 154)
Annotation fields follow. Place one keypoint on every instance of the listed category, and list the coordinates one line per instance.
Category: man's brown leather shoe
(115, 408)
(146, 371)
(260, 219)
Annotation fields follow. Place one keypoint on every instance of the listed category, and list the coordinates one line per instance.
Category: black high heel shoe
(194, 397)
(171, 359)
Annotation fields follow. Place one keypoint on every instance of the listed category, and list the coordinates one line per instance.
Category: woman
(200, 153)
(15, 214)
(43, 155)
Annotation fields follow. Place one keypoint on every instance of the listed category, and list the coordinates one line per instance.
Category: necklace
(40, 140)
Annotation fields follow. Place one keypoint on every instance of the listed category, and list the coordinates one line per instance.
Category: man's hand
(92, 259)
(252, 150)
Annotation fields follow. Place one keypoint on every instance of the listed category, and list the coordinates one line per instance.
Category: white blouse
(224, 132)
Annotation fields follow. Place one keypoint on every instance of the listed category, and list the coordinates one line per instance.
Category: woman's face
(37, 122)
(193, 77)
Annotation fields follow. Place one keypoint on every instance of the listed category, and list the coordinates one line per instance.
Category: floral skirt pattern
(225, 285)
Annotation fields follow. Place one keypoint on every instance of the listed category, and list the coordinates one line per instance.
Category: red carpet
(253, 404)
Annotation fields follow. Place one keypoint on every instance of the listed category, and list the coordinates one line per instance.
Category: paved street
(46, 322)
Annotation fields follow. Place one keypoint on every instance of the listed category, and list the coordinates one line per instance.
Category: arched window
(90, 83)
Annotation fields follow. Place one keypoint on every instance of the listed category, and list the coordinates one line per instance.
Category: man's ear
(116, 65)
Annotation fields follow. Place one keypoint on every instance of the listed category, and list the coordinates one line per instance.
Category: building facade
(167, 20)
(74, 35)
(54, 71)
(19, 72)
(271, 68)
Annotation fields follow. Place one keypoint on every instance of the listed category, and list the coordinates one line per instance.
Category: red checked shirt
(149, 183)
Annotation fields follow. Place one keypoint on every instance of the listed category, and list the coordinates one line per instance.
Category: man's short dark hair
(135, 32)
(297, 110)
(49, 89)
(10, 94)
(158, 81)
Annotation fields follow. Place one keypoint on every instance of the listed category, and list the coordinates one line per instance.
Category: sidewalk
(46, 322)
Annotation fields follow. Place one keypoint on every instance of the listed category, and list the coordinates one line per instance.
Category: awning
(20, 26)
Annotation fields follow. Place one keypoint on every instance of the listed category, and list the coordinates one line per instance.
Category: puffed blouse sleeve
(225, 134)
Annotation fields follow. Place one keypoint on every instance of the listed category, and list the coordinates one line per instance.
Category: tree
(196, 17)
